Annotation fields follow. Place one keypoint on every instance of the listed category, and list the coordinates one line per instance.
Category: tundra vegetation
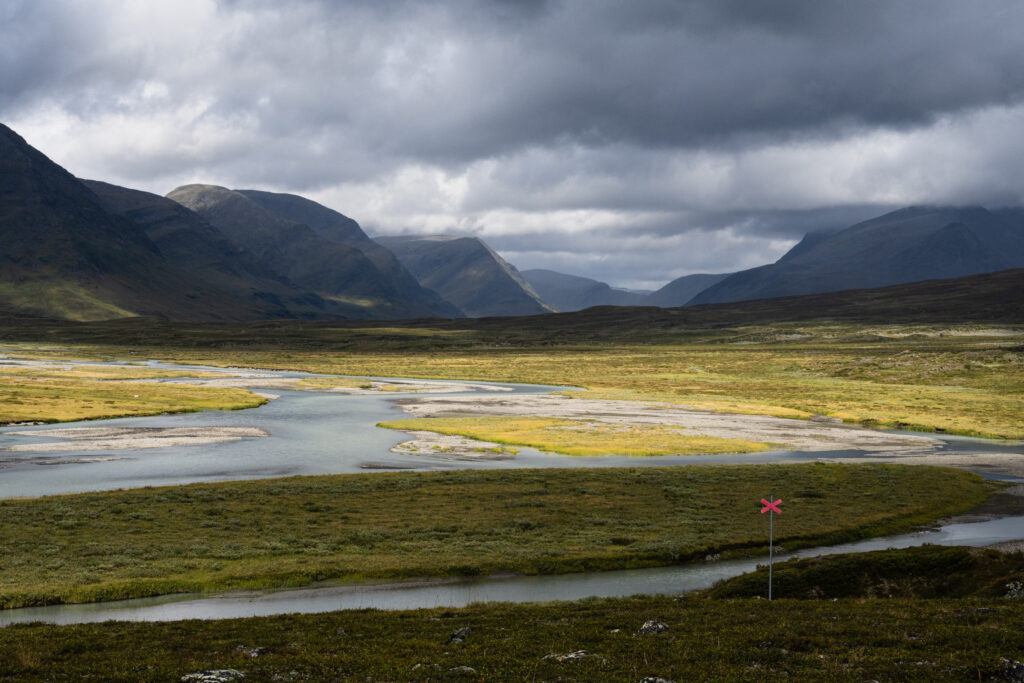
(927, 571)
(293, 531)
(962, 378)
(737, 640)
(966, 379)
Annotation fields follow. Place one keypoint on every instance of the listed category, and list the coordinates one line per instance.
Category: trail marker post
(770, 506)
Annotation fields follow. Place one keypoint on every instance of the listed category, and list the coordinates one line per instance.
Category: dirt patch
(446, 447)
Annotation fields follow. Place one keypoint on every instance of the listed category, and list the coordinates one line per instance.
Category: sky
(630, 141)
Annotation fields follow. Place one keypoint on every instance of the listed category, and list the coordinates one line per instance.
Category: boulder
(213, 676)
(652, 627)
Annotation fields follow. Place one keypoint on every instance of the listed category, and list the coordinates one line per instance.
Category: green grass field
(266, 533)
(965, 379)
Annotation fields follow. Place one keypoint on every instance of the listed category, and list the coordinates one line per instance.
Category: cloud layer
(631, 142)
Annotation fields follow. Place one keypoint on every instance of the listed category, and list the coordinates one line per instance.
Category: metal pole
(771, 529)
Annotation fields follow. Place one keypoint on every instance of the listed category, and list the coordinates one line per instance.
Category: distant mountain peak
(467, 272)
(574, 293)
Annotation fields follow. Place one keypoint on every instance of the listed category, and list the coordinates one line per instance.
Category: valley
(511, 341)
(456, 522)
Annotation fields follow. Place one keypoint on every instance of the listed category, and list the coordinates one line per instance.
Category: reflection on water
(458, 593)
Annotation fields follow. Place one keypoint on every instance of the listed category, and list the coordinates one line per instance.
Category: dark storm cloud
(653, 121)
(456, 81)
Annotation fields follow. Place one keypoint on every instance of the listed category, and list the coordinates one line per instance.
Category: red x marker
(773, 506)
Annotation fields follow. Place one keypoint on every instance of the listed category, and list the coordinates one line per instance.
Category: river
(329, 433)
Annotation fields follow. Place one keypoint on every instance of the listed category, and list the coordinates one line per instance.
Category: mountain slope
(682, 289)
(466, 272)
(573, 293)
(333, 269)
(65, 255)
(188, 241)
(337, 227)
(908, 245)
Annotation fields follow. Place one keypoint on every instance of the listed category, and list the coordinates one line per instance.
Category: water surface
(461, 592)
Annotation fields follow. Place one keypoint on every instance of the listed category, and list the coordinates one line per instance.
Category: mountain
(573, 293)
(329, 260)
(66, 255)
(186, 240)
(909, 245)
(682, 289)
(468, 273)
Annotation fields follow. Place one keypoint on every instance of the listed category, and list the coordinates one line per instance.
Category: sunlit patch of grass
(25, 399)
(106, 372)
(921, 377)
(362, 302)
(578, 437)
(293, 531)
(930, 393)
(59, 299)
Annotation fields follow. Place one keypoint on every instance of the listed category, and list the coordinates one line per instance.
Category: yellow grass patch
(66, 400)
(100, 372)
(578, 437)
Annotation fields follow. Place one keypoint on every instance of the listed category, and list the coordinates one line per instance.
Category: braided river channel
(309, 432)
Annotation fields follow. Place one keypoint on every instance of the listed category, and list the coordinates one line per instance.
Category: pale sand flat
(122, 438)
(800, 435)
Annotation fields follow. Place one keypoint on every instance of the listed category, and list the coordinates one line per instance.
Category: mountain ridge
(912, 244)
(334, 270)
(185, 239)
